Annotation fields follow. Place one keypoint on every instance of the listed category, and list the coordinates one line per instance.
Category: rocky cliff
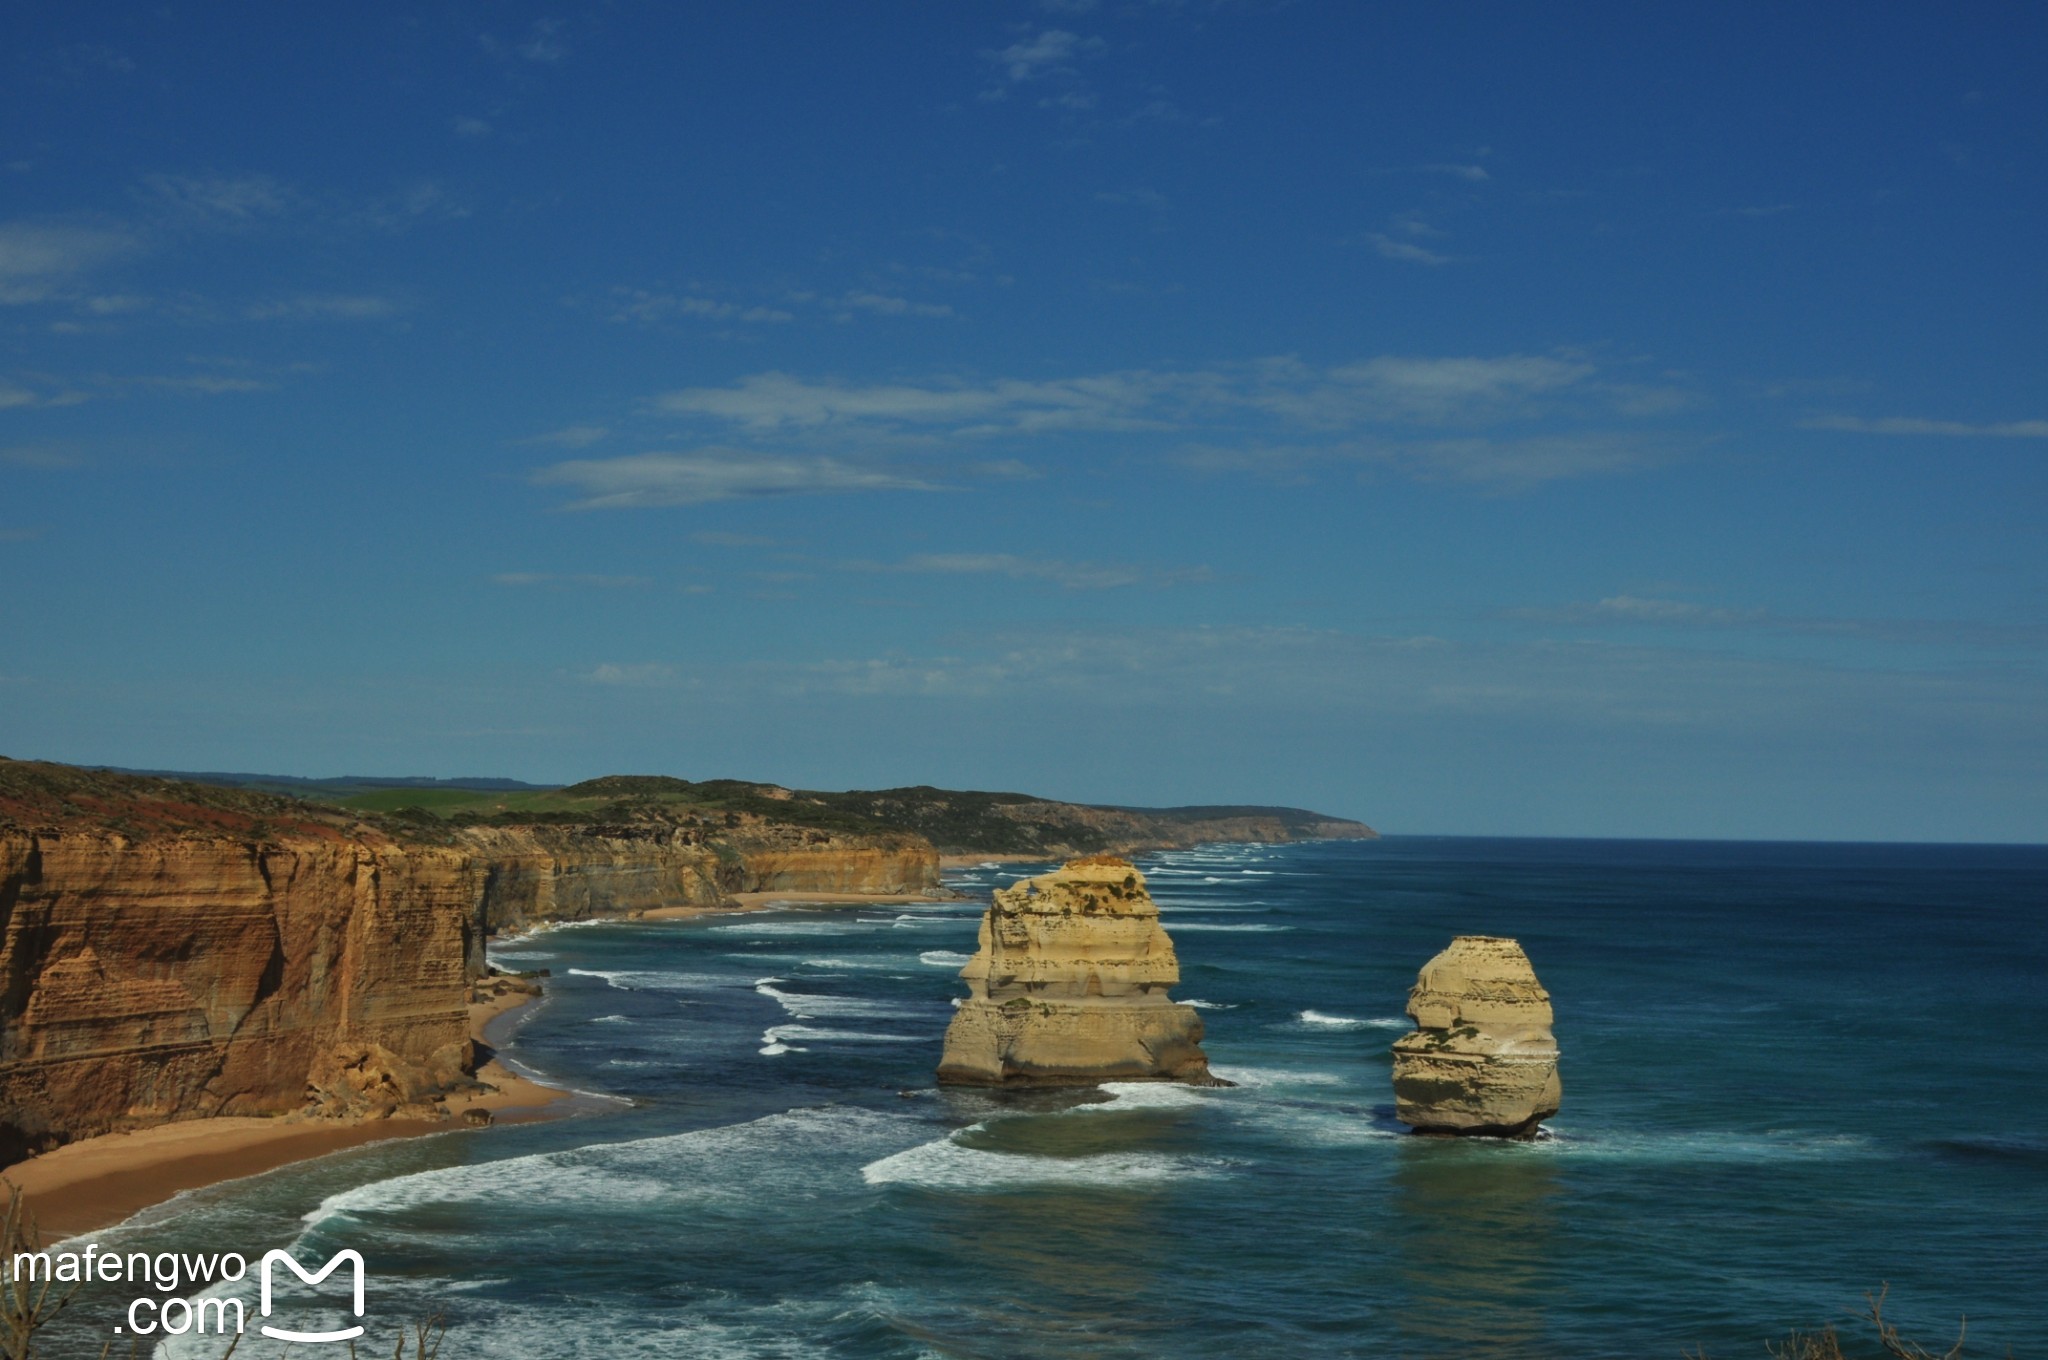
(1068, 986)
(1482, 1059)
(544, 872)
(168, 951)
(171, 950)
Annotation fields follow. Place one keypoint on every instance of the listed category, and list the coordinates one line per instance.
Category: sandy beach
(96, 1182)
(763, 901)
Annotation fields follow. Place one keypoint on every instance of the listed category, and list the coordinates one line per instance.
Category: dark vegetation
(35, 793)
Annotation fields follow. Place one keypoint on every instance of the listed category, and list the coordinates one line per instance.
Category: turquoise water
(1791, 1073)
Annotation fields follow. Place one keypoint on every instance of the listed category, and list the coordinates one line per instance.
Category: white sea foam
(1142, 1095)
(819, 1006)
(776, 1039)
(1326, 1021)
(836, 925)
(498, 956)
(943, 958)
(1222, 925)
(1210, 1005)
(947, 1165)
(736, 1162)
(611, 1020)
(642, 980)
(1705, 1145)
(1255, 1078)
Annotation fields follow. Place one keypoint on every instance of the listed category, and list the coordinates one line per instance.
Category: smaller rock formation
(1068, 987)
(1482, 1059)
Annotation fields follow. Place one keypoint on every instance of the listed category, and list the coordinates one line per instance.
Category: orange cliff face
(533, 874)
(170, 951)
(146, 978)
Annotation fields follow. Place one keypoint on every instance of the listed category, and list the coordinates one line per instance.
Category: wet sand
(100, 1181)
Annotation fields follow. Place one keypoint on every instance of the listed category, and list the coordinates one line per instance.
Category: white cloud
(1491, 464)
(1390, 388)
(1407, 250)
(1150, 199)
(40, 456)
(713, 474)
(882, 304)
(1055, 49)
(639, 304)
(768, 401)
(549, 578)
(210, 384)
(1071, 575)
(40, 261)
(220, 201)
(571, 436)
(472, 127)
(642, 673)
(2011, 429)
(325, 307)
(1474, 173)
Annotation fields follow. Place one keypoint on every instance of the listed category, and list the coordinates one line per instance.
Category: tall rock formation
(1068, 987)
(147, 977)
(1482, 1059)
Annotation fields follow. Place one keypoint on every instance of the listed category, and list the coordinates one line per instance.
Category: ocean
(1793, 1074)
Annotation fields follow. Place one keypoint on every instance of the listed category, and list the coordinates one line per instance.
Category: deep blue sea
(1792, 1074)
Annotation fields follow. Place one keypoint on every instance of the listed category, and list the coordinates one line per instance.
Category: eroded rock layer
(1482, 1059)
(167, 977)
(1068, 986)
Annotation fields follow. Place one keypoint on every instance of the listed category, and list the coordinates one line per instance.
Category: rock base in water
(1068, 987)
(1482, 1061)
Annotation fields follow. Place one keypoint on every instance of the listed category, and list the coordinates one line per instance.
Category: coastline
(97, 1182)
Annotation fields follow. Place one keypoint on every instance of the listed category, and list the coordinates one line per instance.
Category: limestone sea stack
(1482, 1059)
(1068, 987)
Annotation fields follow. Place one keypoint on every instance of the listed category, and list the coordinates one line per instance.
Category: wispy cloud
(1392, 387)
(551, 578)
(45, 457)
(571, 436)
(1054, 50)
(1069, 575)
(41, 261)
(719, 538)
(1149, 199)
(1491, 464)
(884, 304)
(1392, 249)
(647, 307)
(471, 127)
(641, 673)
(1900, 425)
(770, 401)
(542, 44)
(19, 536)
(325, 307)
(1475, 174)
(713, 474)
(1652, 611)
(217, 201)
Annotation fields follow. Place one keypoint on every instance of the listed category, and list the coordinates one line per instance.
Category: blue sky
(1580, 420)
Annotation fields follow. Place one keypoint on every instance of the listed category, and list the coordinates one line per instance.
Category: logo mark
(352, 1257)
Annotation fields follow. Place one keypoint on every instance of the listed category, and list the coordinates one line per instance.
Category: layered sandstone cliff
(532, 874)
(1482, 1059)
(1068, 986)
(218, 956)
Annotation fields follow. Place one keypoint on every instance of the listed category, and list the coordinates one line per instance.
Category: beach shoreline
(94, 1183)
